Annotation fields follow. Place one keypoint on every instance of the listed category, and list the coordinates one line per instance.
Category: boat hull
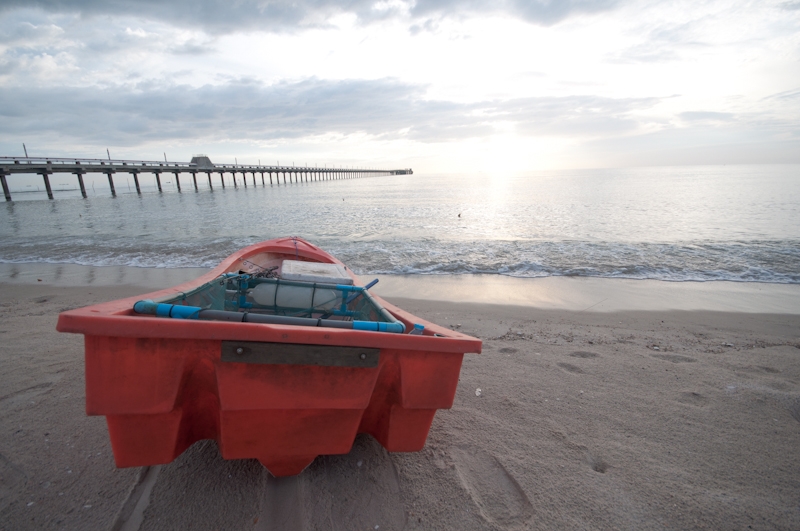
(164, 384)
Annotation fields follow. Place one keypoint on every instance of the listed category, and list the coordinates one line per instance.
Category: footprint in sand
(497, 494)
(693, 399)
(758, 369)
(598, 464)
(11, 478)
(570, 368)
(674, 358)
(794, 408)
(584, 354)
(508, 350)
(23, 396)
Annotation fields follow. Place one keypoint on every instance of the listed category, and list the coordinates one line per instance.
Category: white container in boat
(302, 296)
(296, 296)
(315, 272)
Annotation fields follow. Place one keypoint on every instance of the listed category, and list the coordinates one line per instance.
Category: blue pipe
(354, 296)
(343, 287)
(376, 326)
(175, 311)
(167, 310)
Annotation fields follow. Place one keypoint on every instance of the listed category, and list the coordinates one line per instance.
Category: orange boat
(279, 354)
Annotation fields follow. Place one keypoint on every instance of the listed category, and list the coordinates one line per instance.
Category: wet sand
(593, 419)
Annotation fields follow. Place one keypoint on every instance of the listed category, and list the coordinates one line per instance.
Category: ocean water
(735, 223)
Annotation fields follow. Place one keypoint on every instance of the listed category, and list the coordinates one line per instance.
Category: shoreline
(579, 294)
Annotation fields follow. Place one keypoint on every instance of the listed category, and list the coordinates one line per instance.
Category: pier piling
(109, 172)
(6, 191)
(136, 182)
(46, 176)
(81, 184)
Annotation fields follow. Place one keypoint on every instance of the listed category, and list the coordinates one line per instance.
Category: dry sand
(585, 420)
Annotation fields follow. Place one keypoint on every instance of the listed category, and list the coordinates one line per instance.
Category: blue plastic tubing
(354, 296)
(174, 311)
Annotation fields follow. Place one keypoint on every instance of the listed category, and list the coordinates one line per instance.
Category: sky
(440, 86)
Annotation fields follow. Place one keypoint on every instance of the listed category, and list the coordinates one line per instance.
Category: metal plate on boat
(294, 354)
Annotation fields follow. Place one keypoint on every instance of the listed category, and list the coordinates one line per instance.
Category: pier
(200, 164)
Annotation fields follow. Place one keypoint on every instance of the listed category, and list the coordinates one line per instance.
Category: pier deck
(46, 166)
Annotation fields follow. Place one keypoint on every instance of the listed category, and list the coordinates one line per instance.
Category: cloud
(27, 34)
(698, 143)
(544, 12)
(787, 95)
(213, 16)
(193, 47)
(216, 17)
(668, 41)
(602, 131)
(577, 116)
(248, 110)
(706, 116)
(45, 49)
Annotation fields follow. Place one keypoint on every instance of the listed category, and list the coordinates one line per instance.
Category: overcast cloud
(384, 108)
(438, 83)
(270, 15)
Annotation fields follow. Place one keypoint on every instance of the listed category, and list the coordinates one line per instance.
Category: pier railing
(46, 166)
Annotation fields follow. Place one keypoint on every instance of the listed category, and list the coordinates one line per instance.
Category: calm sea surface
(739, 223)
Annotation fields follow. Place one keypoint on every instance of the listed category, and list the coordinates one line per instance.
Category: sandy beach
(650, 417)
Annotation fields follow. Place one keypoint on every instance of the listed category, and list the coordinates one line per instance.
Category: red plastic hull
(162, 385)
